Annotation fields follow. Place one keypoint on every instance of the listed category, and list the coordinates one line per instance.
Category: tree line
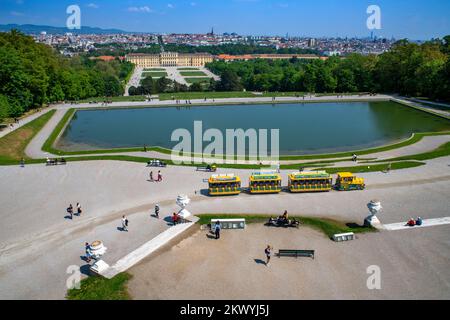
(408, 69)
(32, 75)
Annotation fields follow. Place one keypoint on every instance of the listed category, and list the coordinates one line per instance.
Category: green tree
(196, 87)
(4, 108)
(148, 85)
(229, 81)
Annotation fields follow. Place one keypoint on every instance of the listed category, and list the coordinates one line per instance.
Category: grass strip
(12, 145)
(99, 288)
(193, 74)
(375, 168)
(327, 226)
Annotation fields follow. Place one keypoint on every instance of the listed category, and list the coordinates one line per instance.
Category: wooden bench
(296, 253)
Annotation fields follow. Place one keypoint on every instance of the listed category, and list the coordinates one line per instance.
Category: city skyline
(418, 20)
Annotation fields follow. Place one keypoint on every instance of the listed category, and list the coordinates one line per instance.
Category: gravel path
(37, 243)
(413, 264)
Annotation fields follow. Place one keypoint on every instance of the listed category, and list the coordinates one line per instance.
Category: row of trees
(150, 86)
(229, 82)
(32, 75)
(408, 69)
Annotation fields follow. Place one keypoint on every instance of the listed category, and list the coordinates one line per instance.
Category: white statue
(374, 209)
(182, 202)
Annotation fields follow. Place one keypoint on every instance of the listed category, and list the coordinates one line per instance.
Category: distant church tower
(212, 32)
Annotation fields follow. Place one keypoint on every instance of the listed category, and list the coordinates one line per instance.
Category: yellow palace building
(169, 59)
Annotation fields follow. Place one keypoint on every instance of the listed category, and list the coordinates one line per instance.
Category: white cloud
(93, 5)
(170, 6)
(145, 9)
(17, 14)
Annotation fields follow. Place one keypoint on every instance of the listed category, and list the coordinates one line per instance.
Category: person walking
(70, 211)
(157, 211)
(389, 168)
(88, 252)
(268, 253)
(217, 229)
(151, 176)
(160, 176)
(22, 163)
(79, 211)
(124, 224)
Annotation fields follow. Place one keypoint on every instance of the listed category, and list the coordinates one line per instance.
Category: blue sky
(414, 19)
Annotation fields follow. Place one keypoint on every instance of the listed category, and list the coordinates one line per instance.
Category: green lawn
(114, 99)
(99, 288)
(375, 167)
(154, 74)
(154, 69)
(328, 227)
(202, 95)
(12, 146)
(187, 68)
(441, 151)
(197, 80)
(193, 74)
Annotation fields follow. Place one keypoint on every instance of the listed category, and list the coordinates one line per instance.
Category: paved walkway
(23, 122)
(135, 80)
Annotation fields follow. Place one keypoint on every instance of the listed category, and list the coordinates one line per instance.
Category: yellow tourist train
(315, 181)
(222, 185)
(265, 182)
(299, 182)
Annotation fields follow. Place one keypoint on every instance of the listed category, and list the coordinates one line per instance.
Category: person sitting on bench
(419, 221)
(284, 218)
(175, 219)
(411, 222)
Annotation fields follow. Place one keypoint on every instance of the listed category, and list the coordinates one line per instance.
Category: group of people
(159, 177)
(284, 218)
(186, 102)
(415, 222)
(70, 210)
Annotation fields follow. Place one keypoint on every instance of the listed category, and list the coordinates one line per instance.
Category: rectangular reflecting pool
(309, 128)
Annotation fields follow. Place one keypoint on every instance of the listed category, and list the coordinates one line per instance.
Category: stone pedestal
(182, 202)
(372, 220)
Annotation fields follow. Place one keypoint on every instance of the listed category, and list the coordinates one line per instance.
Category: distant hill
(35, 29)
